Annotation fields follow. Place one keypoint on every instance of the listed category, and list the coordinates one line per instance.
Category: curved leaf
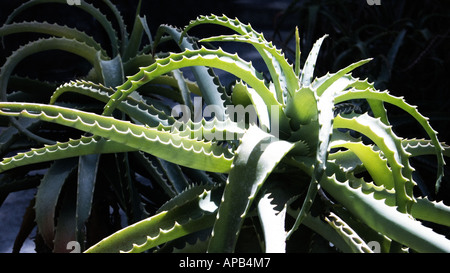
(373, 161)
(307, 72)
(352, 239)
(385, 219)
(282, 73)
(61, 150)
(272, 222)
(47, 197)
(89, 8)
(135, 109)
(193, 215)
(87, 176)
(436, 212)
(390, 145)
(256, 157)
(72, 46)
(174, 148)
(202, 57)
(52, 29)
(210, 89)
(120, 22)
(417, 147)
(412, 110)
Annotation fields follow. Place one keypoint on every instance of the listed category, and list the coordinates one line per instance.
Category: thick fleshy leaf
(385, 219)
(207, 82)
(61, 150)
(282, 73)
(51, 29)
(195, 213)
(197, 154)
(307, 73)
(412, 110)
(87, 176)
(87, 7)
(48, 194)
(257, 156)
(272, 222)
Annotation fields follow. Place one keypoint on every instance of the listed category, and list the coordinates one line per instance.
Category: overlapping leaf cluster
(92, 180)
(296, 179)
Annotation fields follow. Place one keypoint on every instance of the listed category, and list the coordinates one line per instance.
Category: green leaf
(192, 215)
(302, 107)
(171, 147)
(390, 145)
(131, 198)
(87, 176)
(436, 212)
(373, 161)
(174, 175)
(96, 13)
(272, 222)
(337, 78)
(112, 71)
(209, 88)
(385, 219)
(10, 134)
(325, 119)
(282, 73)
(72, 46)
(153, 169)
(52, 29)
(48, 194)
(307, 72)
(297, 52)
(120, 22)
(136, 109)
(204, 57)
(134, 44)
(329, 233)
(256, 157)
(184, 90)
(417, 147)
(65, 231)
(351, 238)
(412, 110)
(61, 150)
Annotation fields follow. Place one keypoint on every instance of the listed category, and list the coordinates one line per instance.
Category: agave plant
(401, 37)
(305, 168)
(97, 196)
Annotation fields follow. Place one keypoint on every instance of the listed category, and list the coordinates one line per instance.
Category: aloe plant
(298, 172)
(126, 189)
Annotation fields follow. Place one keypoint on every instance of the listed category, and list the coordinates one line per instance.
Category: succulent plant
(302, 168)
